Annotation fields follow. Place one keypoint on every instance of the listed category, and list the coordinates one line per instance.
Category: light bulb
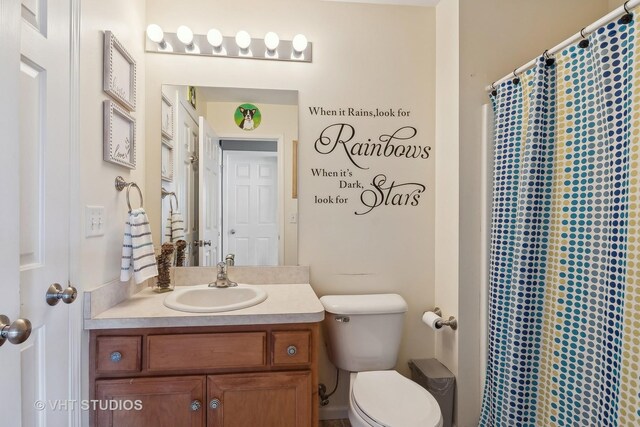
(155, 33)
(243, 39)
(271, 40)
(214, 37)
(185, 35)
(299, 43)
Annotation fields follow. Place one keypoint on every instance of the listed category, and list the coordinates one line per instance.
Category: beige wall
(100, 256)
(365, 56)
(277, 121)
(496, 36)
(447, 176)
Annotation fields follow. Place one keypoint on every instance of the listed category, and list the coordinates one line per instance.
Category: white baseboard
(333, 412)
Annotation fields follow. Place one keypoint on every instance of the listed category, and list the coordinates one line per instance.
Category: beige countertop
(286, 303)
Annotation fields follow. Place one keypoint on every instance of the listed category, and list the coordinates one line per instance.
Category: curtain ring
(584, 43)
(548, 59)
(628, 16)
(133, 184)
(494, 91)
(516, 79)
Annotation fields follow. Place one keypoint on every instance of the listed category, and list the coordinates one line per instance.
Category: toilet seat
(388, 399)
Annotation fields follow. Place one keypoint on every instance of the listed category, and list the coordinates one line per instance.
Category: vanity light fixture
(243, 40)
(271, 41)
(300, 43)
(185, 35)
(185, 42)
(214, 37)
(156, 35)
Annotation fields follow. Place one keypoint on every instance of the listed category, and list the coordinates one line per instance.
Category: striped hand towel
(174, 230)
(137, 249)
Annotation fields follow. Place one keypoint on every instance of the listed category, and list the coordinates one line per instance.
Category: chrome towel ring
(121, 184)
(166, 193)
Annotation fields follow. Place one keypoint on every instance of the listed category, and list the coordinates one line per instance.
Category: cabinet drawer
(118, 354)
(206, 351)
(291, 348)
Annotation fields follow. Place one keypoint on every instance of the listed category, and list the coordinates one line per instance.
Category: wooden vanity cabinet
(223, 376)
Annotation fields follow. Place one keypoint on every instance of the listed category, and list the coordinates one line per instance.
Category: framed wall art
(167, 117)
(119, 135)
(119, 74)
(167, 163)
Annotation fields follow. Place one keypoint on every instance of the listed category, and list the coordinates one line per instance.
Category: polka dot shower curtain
(564, 297)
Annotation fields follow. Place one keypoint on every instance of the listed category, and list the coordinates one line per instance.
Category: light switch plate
(94, 221)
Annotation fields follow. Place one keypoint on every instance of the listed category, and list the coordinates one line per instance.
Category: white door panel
(35, 88)
(186, 177)
(250, 226)
(208, 189)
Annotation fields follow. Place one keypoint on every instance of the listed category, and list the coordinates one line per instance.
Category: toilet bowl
(388, 399)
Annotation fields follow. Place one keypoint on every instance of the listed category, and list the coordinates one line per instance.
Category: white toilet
(363, 333)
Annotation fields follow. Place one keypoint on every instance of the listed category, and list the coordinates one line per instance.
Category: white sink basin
(203, 299)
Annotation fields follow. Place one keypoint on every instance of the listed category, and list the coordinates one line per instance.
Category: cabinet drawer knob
(196, 405)
(215, 403)
(292, 350)
(115, 357)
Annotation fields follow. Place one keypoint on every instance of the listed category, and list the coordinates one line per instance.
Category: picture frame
(119, 72)
(167, 112)
(119, 135)
(191, 96)
(167, 163)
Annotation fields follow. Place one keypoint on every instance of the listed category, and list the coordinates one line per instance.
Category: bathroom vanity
(252, 367)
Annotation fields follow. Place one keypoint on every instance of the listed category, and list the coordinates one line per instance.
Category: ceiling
(427, 3)
(255, 96)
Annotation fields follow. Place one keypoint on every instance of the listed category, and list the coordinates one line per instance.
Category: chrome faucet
(222, 281)
(230, 260)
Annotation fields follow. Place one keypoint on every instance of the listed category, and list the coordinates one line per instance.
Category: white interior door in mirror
(250, 226)
(209, 191)
(187, 179)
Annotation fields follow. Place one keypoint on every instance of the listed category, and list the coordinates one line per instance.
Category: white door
(187, 146)
(208, 200)
(250, 226)
(34, 167)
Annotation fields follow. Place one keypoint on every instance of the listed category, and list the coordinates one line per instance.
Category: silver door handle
(16, 332)
(55, 294)
(232, 231)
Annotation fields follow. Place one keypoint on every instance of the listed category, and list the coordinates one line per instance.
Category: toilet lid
(389, 399)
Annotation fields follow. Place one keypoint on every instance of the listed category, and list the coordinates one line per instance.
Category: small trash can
(439, 381)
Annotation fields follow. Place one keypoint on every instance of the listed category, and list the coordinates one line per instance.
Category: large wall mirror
(229, 174)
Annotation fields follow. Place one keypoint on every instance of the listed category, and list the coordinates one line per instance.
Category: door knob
(16, 332)
(232, 231)
(55, 294)
(196, 405)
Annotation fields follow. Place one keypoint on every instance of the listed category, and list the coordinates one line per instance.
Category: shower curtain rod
(614, 14)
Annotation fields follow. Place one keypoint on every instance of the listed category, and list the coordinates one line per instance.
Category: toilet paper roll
(431, 319)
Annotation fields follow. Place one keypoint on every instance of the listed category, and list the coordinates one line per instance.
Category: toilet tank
(363, 332)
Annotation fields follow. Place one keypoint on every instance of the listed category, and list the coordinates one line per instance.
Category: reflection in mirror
(228, 174)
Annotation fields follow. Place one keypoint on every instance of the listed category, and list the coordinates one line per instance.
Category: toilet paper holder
(451, 322)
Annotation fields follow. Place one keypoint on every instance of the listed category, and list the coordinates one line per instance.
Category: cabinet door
(270, 399)
(152, 402)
